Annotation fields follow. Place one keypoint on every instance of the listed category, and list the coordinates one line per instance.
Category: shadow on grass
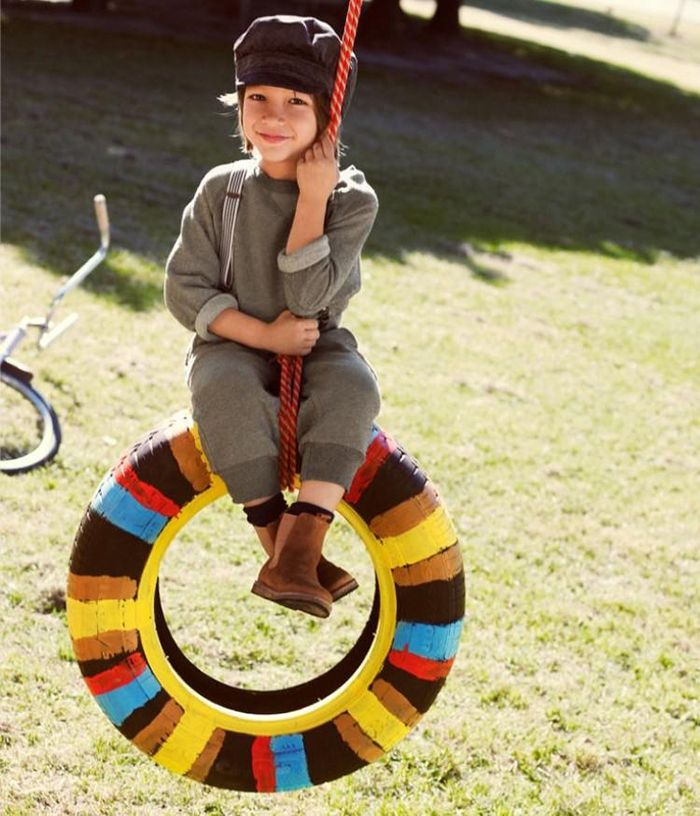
(124, 278)
(594, 160)
(126, 287)
(558, 15)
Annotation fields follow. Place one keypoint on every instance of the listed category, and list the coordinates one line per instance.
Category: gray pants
(235, 400)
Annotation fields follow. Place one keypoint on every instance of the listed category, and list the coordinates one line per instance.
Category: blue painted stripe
(291, 768)
(436, 642)
(123, 701)
(118, 506)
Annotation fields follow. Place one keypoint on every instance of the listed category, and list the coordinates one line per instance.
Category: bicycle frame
(48, 332)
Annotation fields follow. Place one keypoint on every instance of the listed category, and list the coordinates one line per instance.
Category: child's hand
(317, 170)
(288, 334)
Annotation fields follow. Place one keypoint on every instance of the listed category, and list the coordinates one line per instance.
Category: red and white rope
(290, 389)
(352, 18)
(290, 377)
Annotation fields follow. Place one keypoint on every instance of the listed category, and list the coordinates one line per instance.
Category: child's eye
(257, 97)
(295, 100)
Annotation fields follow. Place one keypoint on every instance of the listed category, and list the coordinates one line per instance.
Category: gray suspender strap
(228, 222)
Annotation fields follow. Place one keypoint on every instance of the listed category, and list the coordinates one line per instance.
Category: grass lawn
(643, 35)
(530, 302)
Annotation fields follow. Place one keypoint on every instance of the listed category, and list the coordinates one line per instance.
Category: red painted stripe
(264, 765)
(378, 452)
(120, 675)
(419, 666)
(145, 494)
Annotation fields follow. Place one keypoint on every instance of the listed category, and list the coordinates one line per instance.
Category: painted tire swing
(261, 740)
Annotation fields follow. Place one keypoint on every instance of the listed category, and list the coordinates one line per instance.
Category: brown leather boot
(290, 577)
(335, 579)
(332, 577)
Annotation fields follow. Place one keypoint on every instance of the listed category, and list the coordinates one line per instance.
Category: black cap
(300, 53)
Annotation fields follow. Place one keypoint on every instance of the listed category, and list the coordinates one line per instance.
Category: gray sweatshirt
(322, 275)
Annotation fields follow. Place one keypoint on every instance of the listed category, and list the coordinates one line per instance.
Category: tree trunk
(446, 18)
(382, 20)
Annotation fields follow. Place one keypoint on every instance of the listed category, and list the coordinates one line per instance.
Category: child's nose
(274, 111)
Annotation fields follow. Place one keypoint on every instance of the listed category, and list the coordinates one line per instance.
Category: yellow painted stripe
(194, 430)
(181, 749)
(89, 618)
(431, 536)
(379, 724)
(216, 485)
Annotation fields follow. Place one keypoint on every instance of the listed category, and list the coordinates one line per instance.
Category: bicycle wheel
(29, 429)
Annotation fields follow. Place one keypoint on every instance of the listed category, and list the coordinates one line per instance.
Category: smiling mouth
(272, 138)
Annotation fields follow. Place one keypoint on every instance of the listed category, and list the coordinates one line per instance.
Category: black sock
(260, 515)
(307, 507)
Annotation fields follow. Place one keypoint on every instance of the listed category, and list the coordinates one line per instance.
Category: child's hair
(322, 108)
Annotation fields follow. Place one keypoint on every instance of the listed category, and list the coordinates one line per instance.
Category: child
(299, 233)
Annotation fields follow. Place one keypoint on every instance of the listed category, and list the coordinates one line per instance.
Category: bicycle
(30, 433)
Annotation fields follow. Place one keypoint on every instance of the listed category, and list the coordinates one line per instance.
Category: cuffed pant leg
(340, 400)
(234, 404)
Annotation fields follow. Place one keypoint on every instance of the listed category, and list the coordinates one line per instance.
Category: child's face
(281, 124)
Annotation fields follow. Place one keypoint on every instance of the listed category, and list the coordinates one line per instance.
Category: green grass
(564, 15)
(530, 302)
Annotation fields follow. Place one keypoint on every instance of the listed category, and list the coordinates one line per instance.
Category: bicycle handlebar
(102, 217)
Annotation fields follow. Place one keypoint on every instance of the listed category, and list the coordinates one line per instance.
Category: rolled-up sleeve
(192, 272)
(306, 257)
(326, 273)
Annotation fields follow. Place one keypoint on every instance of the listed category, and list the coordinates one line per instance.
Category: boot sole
(344, 590)
(293, 600)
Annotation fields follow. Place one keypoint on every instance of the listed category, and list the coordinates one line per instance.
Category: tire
(251, 740)
(30, 434)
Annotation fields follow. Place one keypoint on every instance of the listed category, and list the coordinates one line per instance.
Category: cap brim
(279, 80)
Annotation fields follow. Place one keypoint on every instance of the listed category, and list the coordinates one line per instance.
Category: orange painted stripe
(189, 459)
(106, 645)
(101, 587)
(202, 765)
(150, 738)
(407, 515)
(355, 737)
(442, 566)
(395, 702)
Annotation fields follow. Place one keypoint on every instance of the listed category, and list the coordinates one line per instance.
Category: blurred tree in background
(381, 19)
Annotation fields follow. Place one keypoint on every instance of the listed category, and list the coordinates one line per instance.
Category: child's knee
(363, 389)
(355, 396)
